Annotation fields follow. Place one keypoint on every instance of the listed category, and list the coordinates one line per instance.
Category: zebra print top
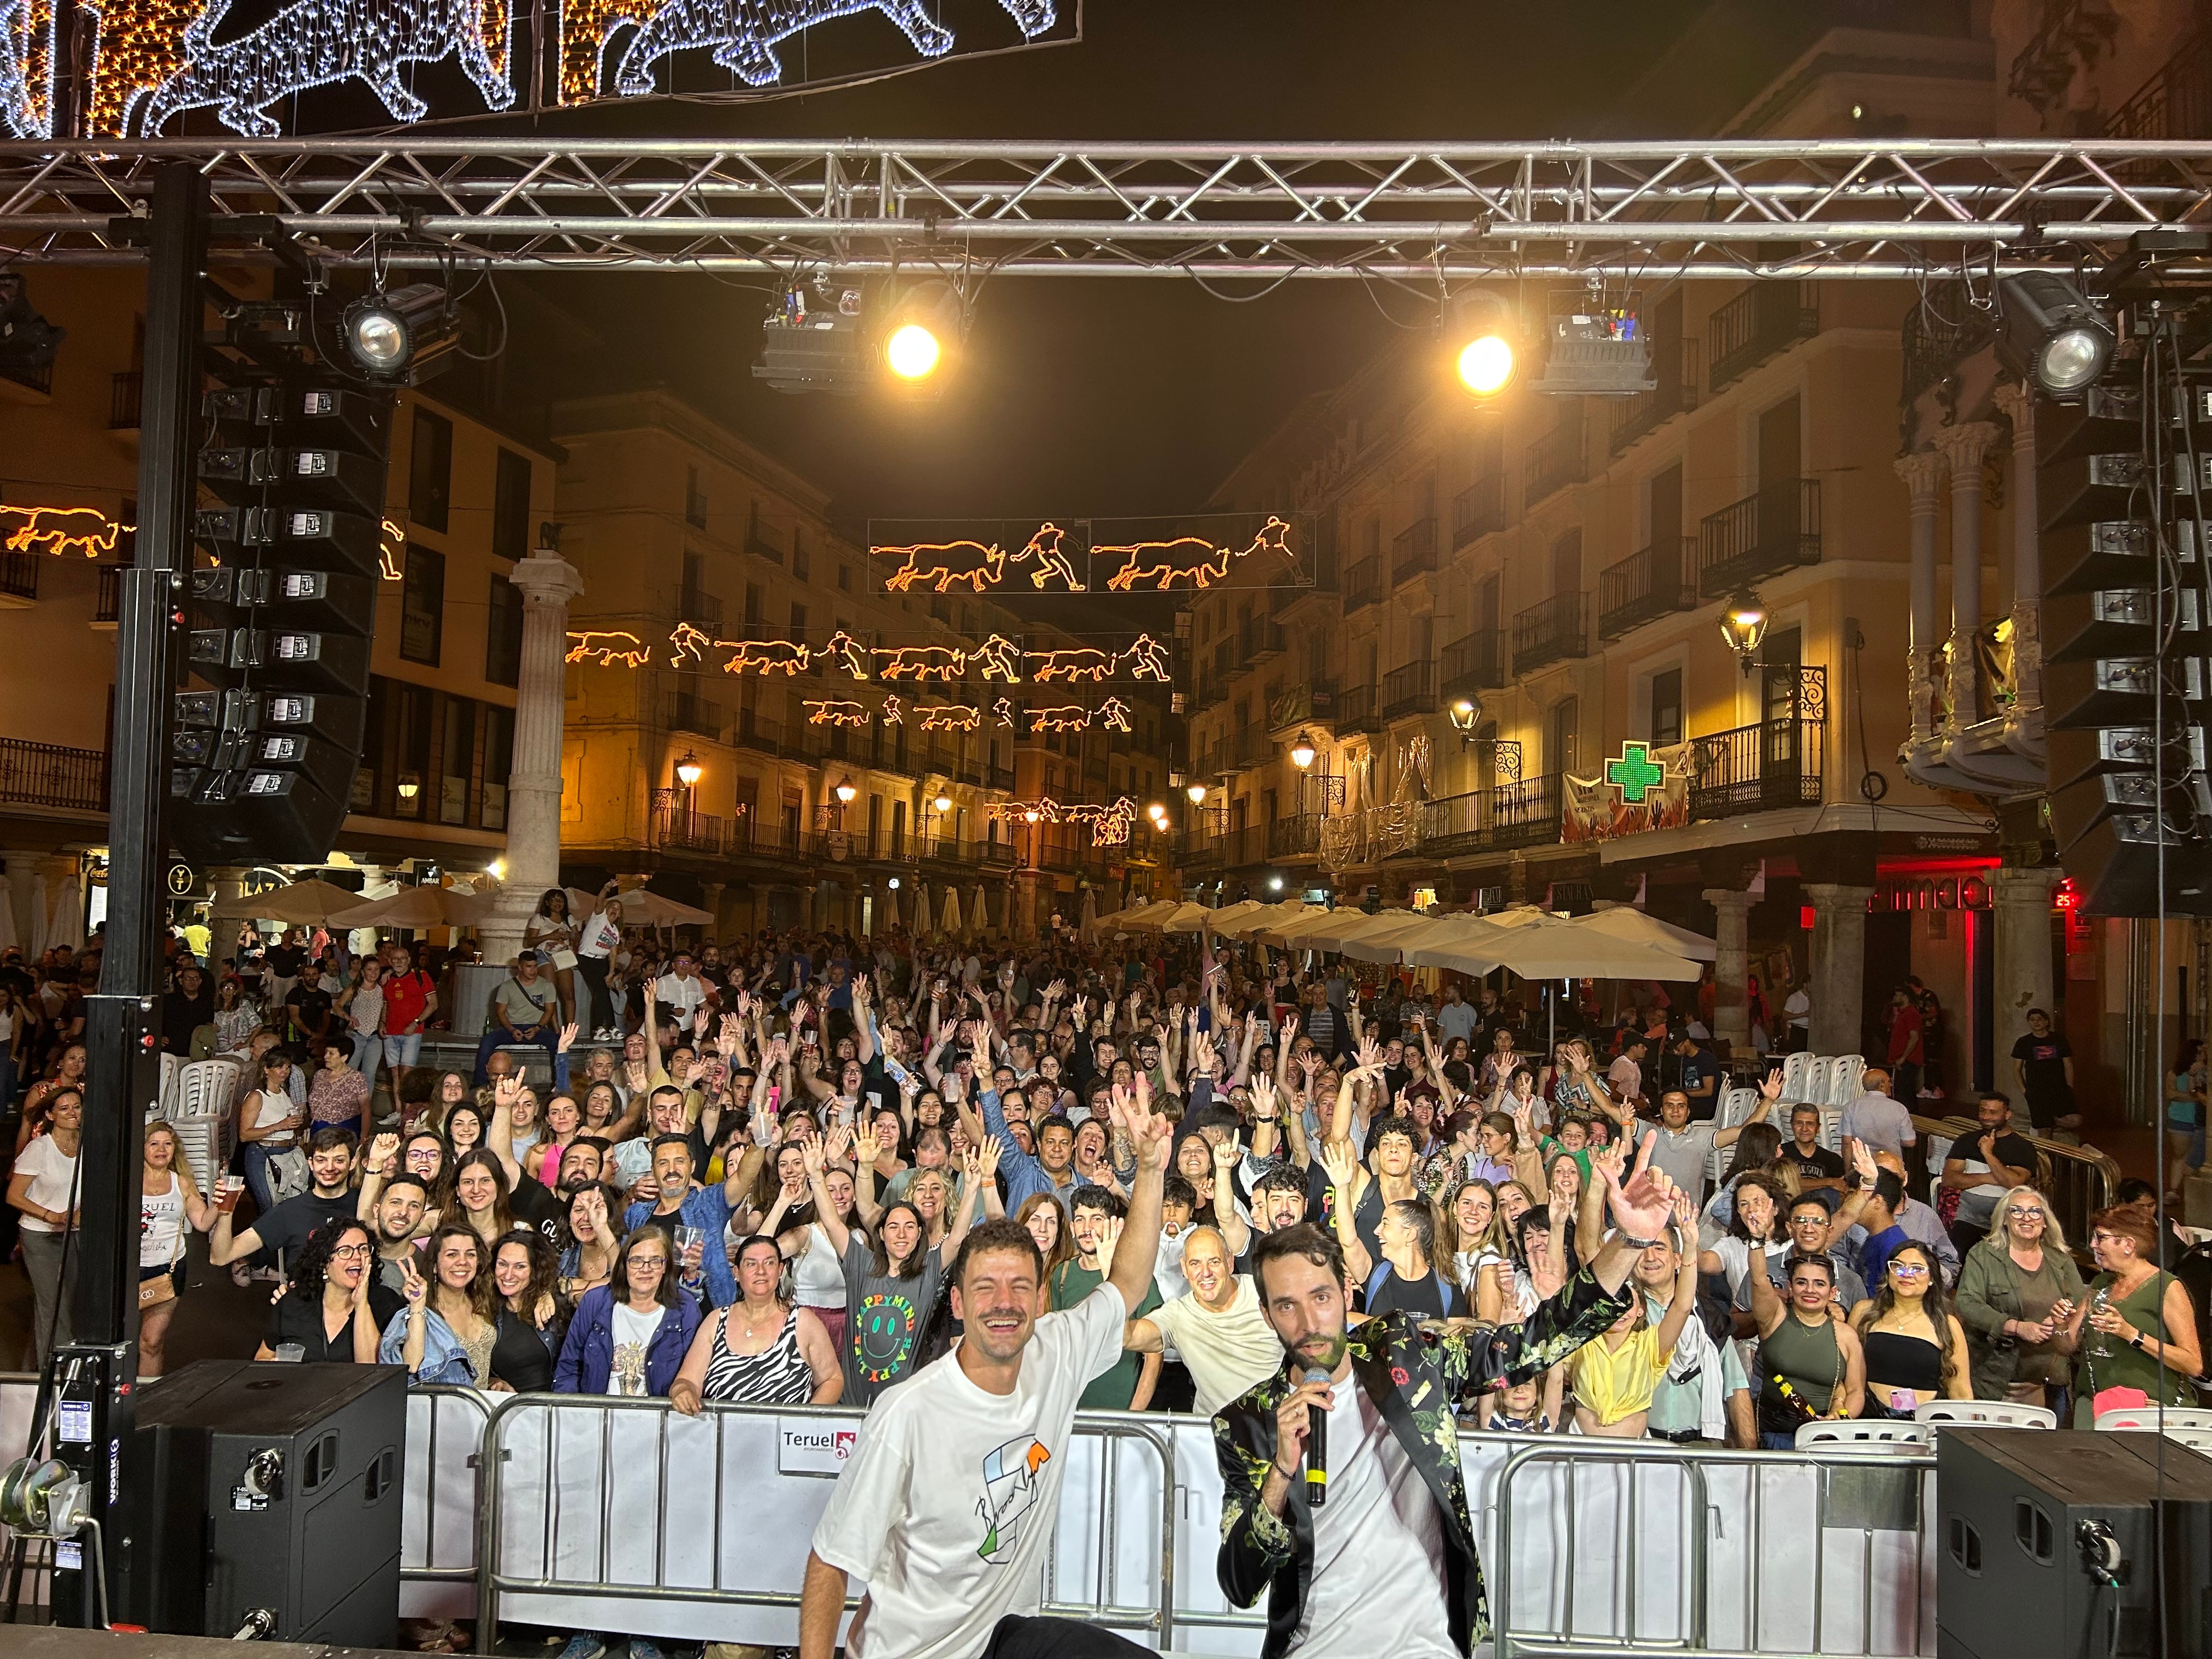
(777, 1375)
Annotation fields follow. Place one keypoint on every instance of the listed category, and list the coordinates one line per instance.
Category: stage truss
(1424, 213)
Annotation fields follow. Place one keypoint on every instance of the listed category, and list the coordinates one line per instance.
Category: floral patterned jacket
(1414, 1372)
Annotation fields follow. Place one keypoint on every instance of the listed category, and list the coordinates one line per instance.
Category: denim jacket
(444, 1360)
(587, 1355)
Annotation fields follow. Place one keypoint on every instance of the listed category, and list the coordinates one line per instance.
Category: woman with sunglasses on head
(1915, 1347)
(2017, 1289)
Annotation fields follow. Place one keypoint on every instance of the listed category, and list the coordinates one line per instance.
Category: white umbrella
(1548, 949)
(1624, 921)
(69, 915)
(8, 939)
(1185, 918)
(647, 908)
(949, 921)
(1272, 916)
(1391, 943)
(979, 911)
(1088, 926)
(1331, 932)
(1140, 917)
(39, 918)
(419, 907)
(302, 903)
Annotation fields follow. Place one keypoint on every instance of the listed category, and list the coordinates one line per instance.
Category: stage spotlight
(394, 338)
(1479, 327)
(921, 325)
(2052, 334)
(27, 341)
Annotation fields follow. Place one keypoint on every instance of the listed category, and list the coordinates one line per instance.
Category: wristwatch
(2137, 1342)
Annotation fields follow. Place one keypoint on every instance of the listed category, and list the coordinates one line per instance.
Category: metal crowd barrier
(1873, 1521)
(439, 1498)
(2081, 1180)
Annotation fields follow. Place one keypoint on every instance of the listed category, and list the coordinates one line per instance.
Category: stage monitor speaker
(267, 1488)
(2067, 1545)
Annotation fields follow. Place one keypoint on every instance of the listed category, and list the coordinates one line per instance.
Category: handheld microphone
(1316, 1445)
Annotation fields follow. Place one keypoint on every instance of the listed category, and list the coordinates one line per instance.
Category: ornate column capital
(546, 578)
(1964, 445)
(2017, 399)
(1727, 898)
(1923, 471)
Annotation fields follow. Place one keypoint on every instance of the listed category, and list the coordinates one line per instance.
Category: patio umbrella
(419, 907)
(69, 915)
(1548, 949)
(1088, 926)
(1624, 921)
(647, 908)
(1328, 932)
(979, 910)
(1141, 918)
(8, 939)
(950, 920)
(303, 903)
(1391, 943)
(35, 947)
(922, 922)
(1186, 918)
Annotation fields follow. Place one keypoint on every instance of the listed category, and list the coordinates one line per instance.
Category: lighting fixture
(1029, 816)
(920, 327)
(943, 804)
(394, 338)
(1302, 751)
(1197, 793)
(1465, 712)
(1743, 625)
(688, 769)
(496, 870)
(895, 882)
(1479, 329)
(2052, 334)
(1157, 812)
(409, 788)
(846, 791)
(1274, 884)
(27, 341)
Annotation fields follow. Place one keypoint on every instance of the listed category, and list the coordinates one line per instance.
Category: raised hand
(1369, 1056)
(1288, 1030)
(1862, 1164)
(383, 1152)
(412, 1286)
(1641, 1206)
(568, 1035)
(1342, 1166)
(1109, 1236)
(1228, 1153)
(1150, 1134)
(985, 1165)
(1263, 1099)
(815, 1155)
(1770, 1087)
(505, 1091)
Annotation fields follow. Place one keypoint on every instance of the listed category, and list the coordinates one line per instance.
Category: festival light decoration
(766, 656)
(62, 531)
(1114, 714)
(1109, 825)
(744, 36)
(1003, 712)
(894, 712)
(921, 662)
(27, 68)
(833, 711)
(997, 658)
(950, 717)
(944, 564)
(320, 42)
(1194, 559)
(687, 640)
(392, 552)
(1065, 717)
(608, 645)
(136, 45)
(852, 656)
(1075, 663)
(1150, 658)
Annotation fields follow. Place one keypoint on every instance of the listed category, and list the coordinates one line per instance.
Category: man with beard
(398, 1213)
(1388, 1564)
(947, 1506)
(1219, 1329)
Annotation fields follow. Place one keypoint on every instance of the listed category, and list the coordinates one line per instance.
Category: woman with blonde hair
(1040, 1214)
(2017, 1288)
(170, 1205)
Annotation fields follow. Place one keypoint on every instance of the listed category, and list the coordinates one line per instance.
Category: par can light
(395, 337)
(2052, 334)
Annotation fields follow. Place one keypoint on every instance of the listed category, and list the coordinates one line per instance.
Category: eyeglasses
(361, 1251)
(1907, 1270)
(2022, 1212)
(648, 1262)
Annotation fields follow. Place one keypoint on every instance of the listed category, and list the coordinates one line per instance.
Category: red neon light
(1806, 916)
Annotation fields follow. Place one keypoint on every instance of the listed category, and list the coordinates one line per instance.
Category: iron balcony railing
(758, 732)
(1474, 662)
(1764, 534)
(1243, 848)
(1413, 552)
(1000, 777)
(1411, 690)
(1248, 750)
(38, 379)
(1363, 583)
(1519, 814)
(1357, 710)
(1559, 457)
(1758, 768)
(1259, 639)
(1297, 837)
(49, 775)
(1765, 318)
(108, 607)
(18, 574)
(1647, 584)
(683, 711)
(1555, 630)
(2176, 102)
(1674, 366)
(1478, 509)
(675, 829)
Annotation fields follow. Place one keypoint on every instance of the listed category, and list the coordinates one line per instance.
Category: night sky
(1114, 395)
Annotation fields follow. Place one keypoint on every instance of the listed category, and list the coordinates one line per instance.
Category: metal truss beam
(1420, 213)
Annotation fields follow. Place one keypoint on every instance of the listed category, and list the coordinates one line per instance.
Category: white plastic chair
(1735, 1107)
(2194, 1439)
(1868, 1433)
(1832, 1128)
(1793, 1076)
(1820, 1079)
(1995, 1413)
(1849, 1080)
(2191, 1418)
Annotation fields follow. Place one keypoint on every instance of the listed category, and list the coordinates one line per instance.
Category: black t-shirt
(534, 1206)
(1819, 1164)
(299, 1318)
(2043, 1059)
(2012, 1150)
(286, 1227)
(520, 1356)
(285, 960)
(1418, 1297)
(311, 1007)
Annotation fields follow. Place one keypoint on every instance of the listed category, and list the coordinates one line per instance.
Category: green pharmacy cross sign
(1636, 773)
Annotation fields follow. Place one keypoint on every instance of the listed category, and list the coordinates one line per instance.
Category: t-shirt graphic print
(1010, 1492)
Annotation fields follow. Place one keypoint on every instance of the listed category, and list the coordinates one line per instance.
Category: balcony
(1765, 318)
(1259, 639)
(1764, 768)
(48, 774)
(124, 390)
(1556, 630)
(995, 854)
(1413, 552)
(1559, 457)
(700, 608)
(1411, 690)
(108, 607)
(1478, 509)
(1363, 583)
(1297, 837)
(1674, 366)
(40, 379)
(1249, 749)
(2176, 102)
(1475, 662)
(1000, 778)
(1645, 585)
(1525, 813)
(1296, 705)
(760, 547)
(18, 574)
(1778, 529)
(759, 733)
(684, 711)
(1357, 710)
(676, 830)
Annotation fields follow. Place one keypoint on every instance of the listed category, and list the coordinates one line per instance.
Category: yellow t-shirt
(1617, 1383)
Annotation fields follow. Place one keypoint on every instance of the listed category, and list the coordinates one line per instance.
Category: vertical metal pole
(96, 1374)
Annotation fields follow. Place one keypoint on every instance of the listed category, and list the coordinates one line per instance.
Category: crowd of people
(796, 1169)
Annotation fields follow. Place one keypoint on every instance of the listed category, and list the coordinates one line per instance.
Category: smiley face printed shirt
(946, 1506)
(884, 1320)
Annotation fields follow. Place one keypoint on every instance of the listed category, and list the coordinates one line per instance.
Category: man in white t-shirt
(948, 1503)
(681, 989)
(1219, 1329)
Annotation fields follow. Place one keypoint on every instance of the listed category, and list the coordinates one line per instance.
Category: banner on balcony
(1595, 809)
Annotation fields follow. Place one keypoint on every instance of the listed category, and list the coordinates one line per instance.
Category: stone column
(1964, 447)
(22, 871)
(1838, 965)
(1732, 965)
(2021, 971)
(1923, 470)
(2017, 403)
(548, 582)
(714, 907)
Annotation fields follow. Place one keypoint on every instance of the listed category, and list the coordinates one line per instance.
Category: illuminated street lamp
(1302, 751)
(1197, 793)
(1466, 714)
(943, 804)
(846, 791)
(688, 770)
(1743, 625)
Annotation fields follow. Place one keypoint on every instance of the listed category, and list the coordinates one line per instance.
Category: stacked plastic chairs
(200, 1107)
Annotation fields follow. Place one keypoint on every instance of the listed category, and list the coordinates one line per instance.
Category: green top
(1112, 1390)
(1808, 1356)
(2109, 1363)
